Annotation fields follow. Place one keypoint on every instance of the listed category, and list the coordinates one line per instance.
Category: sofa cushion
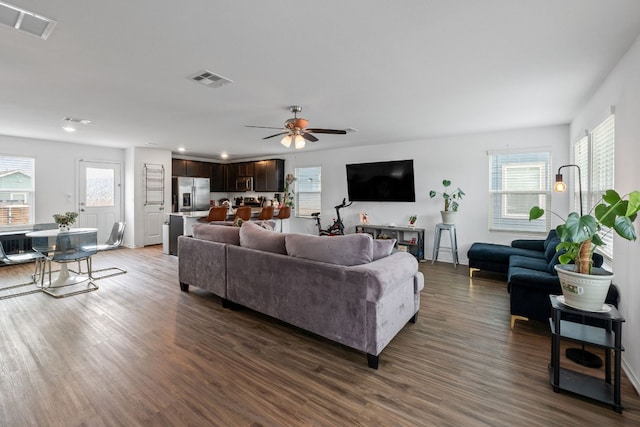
(550, 250)
(351, 249)
(383, 248)
(253, 236)
(217, 233)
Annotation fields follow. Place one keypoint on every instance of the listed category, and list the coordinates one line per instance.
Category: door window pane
(100, 187)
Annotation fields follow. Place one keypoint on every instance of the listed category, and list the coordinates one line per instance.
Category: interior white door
(99, 196)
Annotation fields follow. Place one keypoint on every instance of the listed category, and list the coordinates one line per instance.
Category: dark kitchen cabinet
(231, 172)
(245, 169)
(192, 168)
(178, 167)
(219, 177)
(269, 175)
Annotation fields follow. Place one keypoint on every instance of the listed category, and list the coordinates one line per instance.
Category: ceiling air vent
(207, 78)
(25, 21)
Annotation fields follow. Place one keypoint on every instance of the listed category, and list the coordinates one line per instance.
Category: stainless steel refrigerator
(191, 194)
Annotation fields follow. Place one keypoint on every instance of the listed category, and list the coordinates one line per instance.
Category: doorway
(99, 196)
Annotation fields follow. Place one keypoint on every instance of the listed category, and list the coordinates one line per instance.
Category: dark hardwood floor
(138, 351)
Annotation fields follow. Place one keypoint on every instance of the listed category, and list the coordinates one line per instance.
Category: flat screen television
(381, 181)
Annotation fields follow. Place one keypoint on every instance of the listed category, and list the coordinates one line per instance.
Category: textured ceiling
(396, 71)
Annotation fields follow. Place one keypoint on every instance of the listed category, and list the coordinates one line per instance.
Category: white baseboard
(633, 378)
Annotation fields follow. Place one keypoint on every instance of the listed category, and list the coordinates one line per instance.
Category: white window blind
(308, 190)
(17, 191)
(595, 155)
(518, 181)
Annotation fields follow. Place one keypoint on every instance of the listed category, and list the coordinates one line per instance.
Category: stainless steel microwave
(244, 183)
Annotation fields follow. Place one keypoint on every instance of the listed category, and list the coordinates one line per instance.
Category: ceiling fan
(296, 131)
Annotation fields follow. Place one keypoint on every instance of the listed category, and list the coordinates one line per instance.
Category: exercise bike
(337, 228)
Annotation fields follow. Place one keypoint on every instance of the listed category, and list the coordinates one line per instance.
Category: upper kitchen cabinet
(192, 168)
(245, 169)
(219, 177)
(269, 175)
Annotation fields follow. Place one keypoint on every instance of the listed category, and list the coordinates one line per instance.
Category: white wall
(56, 170)
(462, 159)
(622, 89)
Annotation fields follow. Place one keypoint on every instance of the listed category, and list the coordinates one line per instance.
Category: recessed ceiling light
(69, 128)
(181, 149)
(224, 155)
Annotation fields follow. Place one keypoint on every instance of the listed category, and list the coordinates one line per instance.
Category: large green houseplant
(450, 201)
(585, 287)
(450, 197)
(580, 235)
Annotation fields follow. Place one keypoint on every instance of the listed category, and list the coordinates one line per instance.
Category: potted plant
(450, 201)
(584, 286)
(65, 220)
(288, 200)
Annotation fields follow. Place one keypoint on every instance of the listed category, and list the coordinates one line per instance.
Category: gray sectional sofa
(350, 289)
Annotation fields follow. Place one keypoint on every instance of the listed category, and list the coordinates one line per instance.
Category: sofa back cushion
(551, 239)
(352, 249)
(383, 248)
(550, 249)
(217, 233)
(254, 236)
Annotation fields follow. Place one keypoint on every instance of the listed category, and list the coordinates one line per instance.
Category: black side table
(608, 338)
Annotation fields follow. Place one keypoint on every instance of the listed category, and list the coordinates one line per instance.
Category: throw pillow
(238, 222)
(217, 233)
(352, 249)
(382, 248)
(254, 236)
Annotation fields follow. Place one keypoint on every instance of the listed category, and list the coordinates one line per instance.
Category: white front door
(99, 196)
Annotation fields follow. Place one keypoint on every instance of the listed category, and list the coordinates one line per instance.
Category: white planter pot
(584, 291)
(448, 217)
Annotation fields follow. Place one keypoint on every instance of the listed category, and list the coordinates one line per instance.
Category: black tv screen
(381, 181)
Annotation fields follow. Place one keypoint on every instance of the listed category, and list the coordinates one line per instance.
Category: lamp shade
(286, 141)
(299, 142)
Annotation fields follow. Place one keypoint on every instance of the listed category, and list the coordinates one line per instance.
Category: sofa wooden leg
(184, 287)
(515, 317)
(372, 361)
(226, 303)
(471, 270)
(414, 319)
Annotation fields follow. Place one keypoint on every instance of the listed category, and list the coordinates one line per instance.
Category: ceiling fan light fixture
(299, 142)
(286, 141)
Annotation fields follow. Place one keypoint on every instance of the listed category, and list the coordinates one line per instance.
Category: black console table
(407, 238)
(608, 338)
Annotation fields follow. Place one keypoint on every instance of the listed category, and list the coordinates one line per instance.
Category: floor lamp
(578, 355)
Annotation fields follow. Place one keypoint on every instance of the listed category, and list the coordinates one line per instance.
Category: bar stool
(266, 213)
(284, 213)
(243, 212)
(452, 239)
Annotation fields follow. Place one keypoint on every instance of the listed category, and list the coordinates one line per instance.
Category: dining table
(44, 241)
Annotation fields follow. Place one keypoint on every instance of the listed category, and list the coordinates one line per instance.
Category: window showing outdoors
(101, 187)
(308, 190)
(594, 153)
(17, 191)
(518, 181)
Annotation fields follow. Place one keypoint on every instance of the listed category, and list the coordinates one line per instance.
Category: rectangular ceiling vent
(25, 21)
(207, 78)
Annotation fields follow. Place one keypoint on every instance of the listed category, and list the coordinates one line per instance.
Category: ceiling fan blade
(332, 131)
(271, 136)
(262, 127)
(309, 137)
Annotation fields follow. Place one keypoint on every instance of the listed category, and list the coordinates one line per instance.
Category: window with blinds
(308, 190)
(17, 191)
(518, 181)
(595, 155)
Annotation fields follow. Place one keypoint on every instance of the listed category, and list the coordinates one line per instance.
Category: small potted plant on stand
(65, 221)
(583, 286)
(450, 201)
